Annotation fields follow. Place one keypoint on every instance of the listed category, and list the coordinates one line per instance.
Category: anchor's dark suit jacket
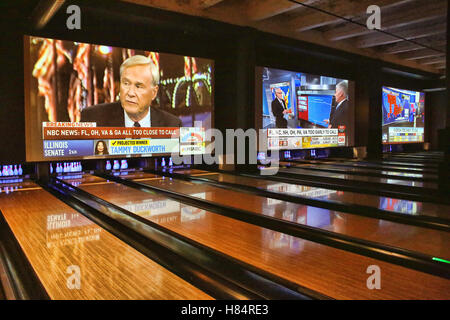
(111, 115)
(341, 116)
(277, 110)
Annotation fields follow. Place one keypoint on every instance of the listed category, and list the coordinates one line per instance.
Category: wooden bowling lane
(365, 165)
(17, 185)
(361, 171)
(424, 155)
(431, 242)
(78, 178)
(333, 272)
(388, 162)
(390, 204)
(55, 237)
(413, 158)
(419, 185)
(425, 165)
(135, 175)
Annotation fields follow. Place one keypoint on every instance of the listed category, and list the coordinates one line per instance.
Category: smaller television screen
(305, 111)
(403, 116)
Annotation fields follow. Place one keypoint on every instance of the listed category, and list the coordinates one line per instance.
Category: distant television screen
(403, 116)
(86, 100)
(304, 111)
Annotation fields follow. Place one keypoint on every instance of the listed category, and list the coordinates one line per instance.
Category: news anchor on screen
(279, 109)
(139, 79)
(340, 113)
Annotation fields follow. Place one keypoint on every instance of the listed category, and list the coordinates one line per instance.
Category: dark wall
(437, 111)
(236, 51)
(12, 119)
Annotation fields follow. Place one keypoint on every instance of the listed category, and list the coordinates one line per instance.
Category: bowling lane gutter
(399, 256)
(360, 210)
(345, 185)
(23, 281)
(213, 272)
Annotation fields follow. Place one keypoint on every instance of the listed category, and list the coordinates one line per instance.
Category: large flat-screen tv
(403, 116)
(304, 111)
(87, 101)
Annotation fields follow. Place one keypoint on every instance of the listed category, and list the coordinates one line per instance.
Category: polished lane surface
(427, 241)
(333, 272)
(394, 205)
(54, 237)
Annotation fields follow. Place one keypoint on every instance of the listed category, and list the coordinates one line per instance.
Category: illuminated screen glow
(403, 116)
(78, 106)
(305, 111)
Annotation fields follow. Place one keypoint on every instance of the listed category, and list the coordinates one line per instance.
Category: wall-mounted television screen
(403, 116)
(304, 111)
(85, 100)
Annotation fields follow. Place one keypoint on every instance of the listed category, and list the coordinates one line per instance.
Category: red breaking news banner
(92, 133)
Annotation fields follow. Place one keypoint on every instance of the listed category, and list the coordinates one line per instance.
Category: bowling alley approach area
(222, 152)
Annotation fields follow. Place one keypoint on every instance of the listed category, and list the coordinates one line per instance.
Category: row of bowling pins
(124, 164)
(66, 167)
(163, 162)
(9, 189)
(11, 170)
(116, 166)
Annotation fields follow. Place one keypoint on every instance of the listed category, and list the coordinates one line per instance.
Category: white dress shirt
(144, 122)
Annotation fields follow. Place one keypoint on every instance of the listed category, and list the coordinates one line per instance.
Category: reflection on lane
(155, 208)
(400, 205)
(246, 242)
(366, 166)
(267, 250)
(384, 163)
(163, 210)
(277, 240)
(361, 171)
(16, 184)
(359, 178)
(60, 242)
(391, 233)
(346, 197)
(404, 163)
(70, 229)
(77, 179)
(312, 216)
(304, 191)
